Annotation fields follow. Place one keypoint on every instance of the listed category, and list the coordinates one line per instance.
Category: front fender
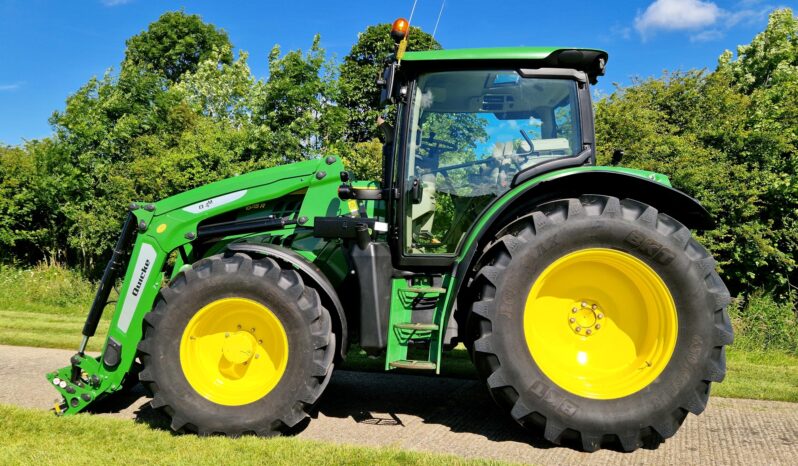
(309, 271)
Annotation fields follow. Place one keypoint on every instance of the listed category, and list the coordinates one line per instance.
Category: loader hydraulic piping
(238, 227)
(107, 282)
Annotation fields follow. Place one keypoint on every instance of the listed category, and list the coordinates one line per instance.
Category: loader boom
(170, 226)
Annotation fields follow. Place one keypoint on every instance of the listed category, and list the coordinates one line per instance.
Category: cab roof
(591, 61)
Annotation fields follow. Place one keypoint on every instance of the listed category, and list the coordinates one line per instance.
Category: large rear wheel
(235, 346)
(599, 322)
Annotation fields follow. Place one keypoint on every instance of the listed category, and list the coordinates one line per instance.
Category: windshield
(471, 132)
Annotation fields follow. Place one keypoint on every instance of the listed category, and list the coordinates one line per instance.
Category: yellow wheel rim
(600, 323)
(234, 351)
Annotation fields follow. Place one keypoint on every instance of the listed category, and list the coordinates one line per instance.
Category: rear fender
(648, 187)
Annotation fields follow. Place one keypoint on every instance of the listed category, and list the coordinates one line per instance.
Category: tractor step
(416, 326)
(425, 290)
(413, 364)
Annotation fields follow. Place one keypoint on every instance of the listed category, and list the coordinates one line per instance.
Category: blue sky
(48, 49)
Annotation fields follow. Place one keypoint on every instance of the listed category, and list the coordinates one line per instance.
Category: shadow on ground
(384, 401)
(388, 399)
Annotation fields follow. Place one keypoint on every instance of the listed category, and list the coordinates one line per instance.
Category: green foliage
(359, 93)
(176, 44)
(45, 288)
(363, 159)
(138, 135)
(762, 323)
(730, 139)
(295, 97)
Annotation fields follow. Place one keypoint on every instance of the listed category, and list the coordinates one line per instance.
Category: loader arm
(171, 225)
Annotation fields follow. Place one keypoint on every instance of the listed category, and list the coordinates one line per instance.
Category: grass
(119, 441)
(46, 306)
(45, 289)
(759, 375)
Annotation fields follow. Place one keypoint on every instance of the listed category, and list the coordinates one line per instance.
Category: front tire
(599, 323)
(237, 346)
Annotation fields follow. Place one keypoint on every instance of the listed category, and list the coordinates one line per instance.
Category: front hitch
(76, 384)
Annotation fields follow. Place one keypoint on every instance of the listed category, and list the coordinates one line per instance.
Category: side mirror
(387, 83)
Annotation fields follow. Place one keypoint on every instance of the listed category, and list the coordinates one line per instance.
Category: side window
(470, 133)
(565, 123)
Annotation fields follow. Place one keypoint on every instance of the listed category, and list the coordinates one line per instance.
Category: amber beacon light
(399, 29)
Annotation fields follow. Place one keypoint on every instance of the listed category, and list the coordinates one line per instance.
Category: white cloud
(706, 18)
(672, 15)
(114, 2)
(707, 36)
(747, 16)
(10, 87)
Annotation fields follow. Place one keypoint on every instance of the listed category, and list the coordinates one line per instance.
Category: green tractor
(590, 312)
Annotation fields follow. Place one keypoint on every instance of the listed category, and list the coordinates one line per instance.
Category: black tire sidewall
(181, 396)
(670, 390)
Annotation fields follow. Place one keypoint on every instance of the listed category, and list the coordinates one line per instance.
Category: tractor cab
(469, 133)
(472, 124)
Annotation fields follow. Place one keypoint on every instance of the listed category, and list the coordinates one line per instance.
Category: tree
(295, 98)
(175, 44)
(729, 138)
(359, 93)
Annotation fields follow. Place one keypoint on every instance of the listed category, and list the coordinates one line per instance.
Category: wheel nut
(578, 329)
(252, 330)
(588, 331)
(584, 304)
(574, 310)
(594, 307)
(598, 326)
(599, 316)
(572, 320)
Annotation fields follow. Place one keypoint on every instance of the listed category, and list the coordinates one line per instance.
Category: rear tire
(271, 376)
(577, 404)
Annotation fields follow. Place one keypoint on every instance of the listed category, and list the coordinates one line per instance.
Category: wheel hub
(239, 347)
(585, 316)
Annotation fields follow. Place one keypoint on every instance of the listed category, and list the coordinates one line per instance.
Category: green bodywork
(174, 221)
(493, 53)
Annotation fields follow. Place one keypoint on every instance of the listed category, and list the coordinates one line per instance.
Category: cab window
(470, 133)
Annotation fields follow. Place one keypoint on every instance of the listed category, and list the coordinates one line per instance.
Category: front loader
(590, 312)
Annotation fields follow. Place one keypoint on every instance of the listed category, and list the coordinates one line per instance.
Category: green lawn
(98, 440)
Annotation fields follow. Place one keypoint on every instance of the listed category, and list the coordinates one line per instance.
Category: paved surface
(457, 416)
